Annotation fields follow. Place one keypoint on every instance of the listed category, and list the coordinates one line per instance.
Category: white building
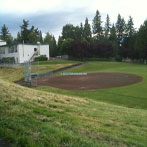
(23, 52)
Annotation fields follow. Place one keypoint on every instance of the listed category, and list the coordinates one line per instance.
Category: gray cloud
(46, 22)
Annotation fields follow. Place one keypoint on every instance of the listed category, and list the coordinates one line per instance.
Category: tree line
(99, 39)
(104, 39)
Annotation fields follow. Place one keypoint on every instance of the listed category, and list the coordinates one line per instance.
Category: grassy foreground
(34, 118)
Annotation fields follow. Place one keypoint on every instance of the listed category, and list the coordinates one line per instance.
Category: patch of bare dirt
(91, 81)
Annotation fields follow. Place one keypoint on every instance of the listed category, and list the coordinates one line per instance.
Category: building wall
(24, 51)
(44, 50)
(27, 51)
(8, 54)
(2, 43)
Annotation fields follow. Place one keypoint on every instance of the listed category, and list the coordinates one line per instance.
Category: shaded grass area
(134, 96)
(31, 118)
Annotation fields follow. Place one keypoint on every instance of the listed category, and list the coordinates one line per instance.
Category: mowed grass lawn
(36, 118)
(134, 96)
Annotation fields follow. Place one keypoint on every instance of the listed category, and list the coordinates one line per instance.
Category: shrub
(102, 50)
(118, 58)
(41, 58)
(79, 50)
(8, 60)
(65, 46)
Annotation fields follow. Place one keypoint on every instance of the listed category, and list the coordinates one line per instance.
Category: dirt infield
(91, 81)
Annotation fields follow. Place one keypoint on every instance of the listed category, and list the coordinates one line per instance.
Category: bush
(102, 50)
(84, 50)
(79, 50)
(118, 58)
(41, 58)
(8, 60)
(65, 46)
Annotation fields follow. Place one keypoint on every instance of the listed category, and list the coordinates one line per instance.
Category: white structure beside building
(23, 52)
(2, 42)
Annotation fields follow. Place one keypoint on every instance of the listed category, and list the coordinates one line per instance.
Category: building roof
(23, 44)
(2, 41)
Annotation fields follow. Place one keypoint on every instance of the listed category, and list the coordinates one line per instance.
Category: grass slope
(33, 118)
(131, 96)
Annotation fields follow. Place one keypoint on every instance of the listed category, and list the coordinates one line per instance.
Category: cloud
(49, 15)
(46, 22)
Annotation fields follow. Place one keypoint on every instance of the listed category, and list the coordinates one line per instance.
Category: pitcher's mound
(90, 81)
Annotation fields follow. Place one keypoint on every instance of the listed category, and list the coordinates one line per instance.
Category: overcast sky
(51, 15)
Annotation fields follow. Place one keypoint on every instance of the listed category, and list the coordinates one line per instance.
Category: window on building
(12, 49)
(2, 50)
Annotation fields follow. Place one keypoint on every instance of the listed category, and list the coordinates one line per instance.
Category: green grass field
(134, 96)
(47, 116)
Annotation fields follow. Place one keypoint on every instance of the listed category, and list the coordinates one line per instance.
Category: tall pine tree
(4, 32)
(5, 35)
(87, 30)
(130, 27)
(120, 29)
(107, 27)
(97, 25)
(113, 34)
(50, 39)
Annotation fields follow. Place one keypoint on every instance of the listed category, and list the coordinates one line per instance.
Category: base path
(91, 81)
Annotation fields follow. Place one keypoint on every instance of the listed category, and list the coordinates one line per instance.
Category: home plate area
(90, 81)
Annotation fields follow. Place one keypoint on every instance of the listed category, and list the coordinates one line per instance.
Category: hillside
(30, 117)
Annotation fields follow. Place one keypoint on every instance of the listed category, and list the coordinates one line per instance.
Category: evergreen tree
(82, 30)
(128, 50)
(130, 27)
(4, 32)
(87, 30)
(29, 35)
(18, 39)
(107, 27)
(40, 37)
(65, 46)
(141, 41)
(97, 28)
(25, 31)
(68, 31)
(120, 29)
(113, 36)
(5, 35)
(78, 33)
(50, 39)
(60, 41)
(10, 39)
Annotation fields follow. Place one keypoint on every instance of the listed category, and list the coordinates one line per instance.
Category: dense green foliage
(41, 58)
(8, 60)
(5, 35)
(124, 39)
(29, 35)
(50, 39)
(84, 50)
(65, 46)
